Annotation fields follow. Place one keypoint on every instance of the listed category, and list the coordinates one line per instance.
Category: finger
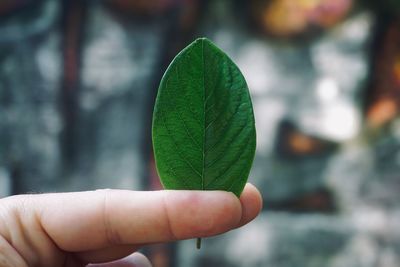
(252, 202)
(94, 220)
(134, 260)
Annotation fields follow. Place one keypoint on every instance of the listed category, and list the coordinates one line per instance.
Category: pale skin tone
(75, 229)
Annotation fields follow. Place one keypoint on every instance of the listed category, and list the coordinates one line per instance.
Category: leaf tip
(203, 40)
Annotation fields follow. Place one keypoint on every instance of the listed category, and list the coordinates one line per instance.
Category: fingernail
(139, 260)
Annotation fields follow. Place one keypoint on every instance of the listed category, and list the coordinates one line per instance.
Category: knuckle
(112, 235)
(170, 229)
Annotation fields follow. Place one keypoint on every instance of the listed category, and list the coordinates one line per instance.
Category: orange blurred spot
(284, 17)
(290, 17)
(382, 112)
(303, 144)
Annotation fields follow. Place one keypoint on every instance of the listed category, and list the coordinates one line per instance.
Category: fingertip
(251, 201)
(202, 214)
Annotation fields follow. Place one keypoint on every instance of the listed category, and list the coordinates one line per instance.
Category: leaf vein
(228, 84)
(181, 118)
(226, 125)
(204, 115)
(185, 96)
(231, 141)
(177, 147)
(175, 175)
(226, 171)
(210, 107)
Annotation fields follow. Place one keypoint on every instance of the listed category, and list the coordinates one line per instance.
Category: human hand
(75, 229)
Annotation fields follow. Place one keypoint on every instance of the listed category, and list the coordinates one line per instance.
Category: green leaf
(204, 135)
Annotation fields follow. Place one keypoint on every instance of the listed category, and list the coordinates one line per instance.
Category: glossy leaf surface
(204, 134)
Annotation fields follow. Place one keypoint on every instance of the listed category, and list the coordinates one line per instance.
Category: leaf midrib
(204, 115)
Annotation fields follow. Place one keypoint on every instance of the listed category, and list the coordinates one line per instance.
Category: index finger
(105, 218)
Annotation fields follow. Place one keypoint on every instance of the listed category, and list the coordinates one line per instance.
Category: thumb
(135, 260)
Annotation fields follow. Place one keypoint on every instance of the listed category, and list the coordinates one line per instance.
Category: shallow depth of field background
(77, 86)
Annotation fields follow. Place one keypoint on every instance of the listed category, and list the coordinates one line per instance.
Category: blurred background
(78, 81)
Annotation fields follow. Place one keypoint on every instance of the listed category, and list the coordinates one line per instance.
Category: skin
(75, 229)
